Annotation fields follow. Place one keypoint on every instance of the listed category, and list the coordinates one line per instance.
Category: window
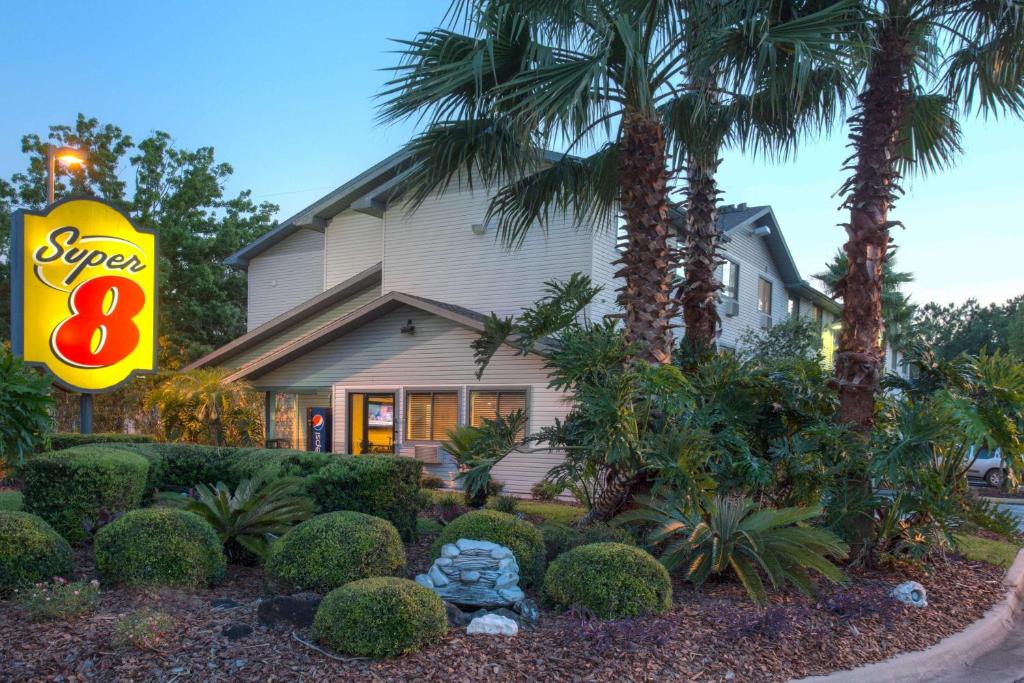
(816, 313)
(430, 414)
(764, 296)
(793, 306)
(724, 350)
(730, 280)
(487, 405)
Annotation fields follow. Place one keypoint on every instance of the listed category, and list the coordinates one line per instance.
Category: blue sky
(284, 91)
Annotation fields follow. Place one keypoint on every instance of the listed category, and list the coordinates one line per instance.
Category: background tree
(952, 329)
(200, 407)
(928, 62)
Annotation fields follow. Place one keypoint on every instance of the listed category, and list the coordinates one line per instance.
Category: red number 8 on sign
(72, 340)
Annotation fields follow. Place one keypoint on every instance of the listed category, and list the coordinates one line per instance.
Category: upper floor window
(764, 296)
(730, 279)
(429, 415)
(816, 313)
(487, 405)
(793, 306)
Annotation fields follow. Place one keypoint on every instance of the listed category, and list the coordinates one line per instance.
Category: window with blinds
(487, 405)
(430, 414)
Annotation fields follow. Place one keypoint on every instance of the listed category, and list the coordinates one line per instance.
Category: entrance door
(371, 423)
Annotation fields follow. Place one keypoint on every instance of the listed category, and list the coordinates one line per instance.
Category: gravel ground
(709, 635)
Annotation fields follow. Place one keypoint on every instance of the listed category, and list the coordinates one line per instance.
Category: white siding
(284, 276)
(378, 357)
(603, 253)
(755, 262)
(354, 242)
(433, 253)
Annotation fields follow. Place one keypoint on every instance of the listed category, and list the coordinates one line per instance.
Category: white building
(359, 307)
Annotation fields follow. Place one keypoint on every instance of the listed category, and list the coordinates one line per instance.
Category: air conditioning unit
(430, 455)
(731, 307)
(766, 321)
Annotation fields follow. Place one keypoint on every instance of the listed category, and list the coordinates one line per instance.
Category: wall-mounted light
(408, 327)
(761, 231)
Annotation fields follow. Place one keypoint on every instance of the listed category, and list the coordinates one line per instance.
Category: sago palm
(599, 79)
(929, 62)
(730, 535)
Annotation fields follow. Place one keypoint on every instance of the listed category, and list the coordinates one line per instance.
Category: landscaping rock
(456, 617)
(911, 593)
(528, 612)
(288, 610)
(234, 631)
(475, 573)
(492, 625)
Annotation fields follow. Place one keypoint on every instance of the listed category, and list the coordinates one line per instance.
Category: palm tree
(897, 309)
(929, 60)
(609, 82)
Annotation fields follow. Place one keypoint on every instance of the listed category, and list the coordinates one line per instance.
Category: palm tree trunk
(870, 193)
(616, 491)
(699, 290)
(647, 263)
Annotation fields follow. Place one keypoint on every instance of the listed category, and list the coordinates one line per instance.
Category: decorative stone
(292, 610)
(911, 593)
(492, 625)
(474, 573)
(528, 612)
(456, 617)
(234, 631)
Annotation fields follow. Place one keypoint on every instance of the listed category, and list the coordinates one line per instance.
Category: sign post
(83, 296)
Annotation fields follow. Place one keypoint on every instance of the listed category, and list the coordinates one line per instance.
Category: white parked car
(987, 466)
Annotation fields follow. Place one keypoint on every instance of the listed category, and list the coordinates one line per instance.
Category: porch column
(269, 415)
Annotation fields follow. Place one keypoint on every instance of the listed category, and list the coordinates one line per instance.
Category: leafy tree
(796, 337)
(927, 63)
(952, 329)
(600, 79)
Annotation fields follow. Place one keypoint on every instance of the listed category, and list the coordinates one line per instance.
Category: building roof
(346, 323)
(306, 309)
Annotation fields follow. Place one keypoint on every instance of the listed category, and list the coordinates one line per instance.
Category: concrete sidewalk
(1003, 665)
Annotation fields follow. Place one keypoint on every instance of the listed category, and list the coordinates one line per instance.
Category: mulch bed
(709, 635)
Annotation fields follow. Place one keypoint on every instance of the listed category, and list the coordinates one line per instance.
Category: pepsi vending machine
(318, 430)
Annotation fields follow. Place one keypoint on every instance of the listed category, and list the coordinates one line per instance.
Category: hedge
(61, 440)
(612, 580)
(30, 551)
(560, 538)
(76, 488)
(183, 465)
(380, 485)
(159, 547)
(276, 463)
(330, 550)
(380, 617)
(524, 540)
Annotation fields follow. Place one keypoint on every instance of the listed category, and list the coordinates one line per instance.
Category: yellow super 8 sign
(84, 293)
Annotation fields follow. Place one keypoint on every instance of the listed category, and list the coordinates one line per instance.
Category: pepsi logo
(318, 421)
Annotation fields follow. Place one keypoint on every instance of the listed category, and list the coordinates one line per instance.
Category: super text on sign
(84, 294)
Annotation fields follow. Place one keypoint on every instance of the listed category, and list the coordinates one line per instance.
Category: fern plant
(250, 518)
(730, 535)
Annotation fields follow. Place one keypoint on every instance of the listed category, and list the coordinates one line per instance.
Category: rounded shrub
(333, 549)
(75, 489)
(612, 580)
(603, 533)
(30, 551)
(524, 540)
(380, 617)
(159, 547)
(559, 538)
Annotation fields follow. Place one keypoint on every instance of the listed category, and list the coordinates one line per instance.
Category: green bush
(380, 617)
(330, 550)
(11, 500)
(545, 491)
(379, 485)
(30, 552)
(159, 547)
(560, 538)
(612, 580)
(522, 538)
(24, 409)
(75, 489)
(61, 440)
(270, 463)
(183, 465)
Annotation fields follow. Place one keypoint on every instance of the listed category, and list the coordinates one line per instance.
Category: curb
(950, 655)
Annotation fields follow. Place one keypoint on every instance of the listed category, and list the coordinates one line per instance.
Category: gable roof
(346, 323)
(359, 193)
(732, 218)
(306, 309)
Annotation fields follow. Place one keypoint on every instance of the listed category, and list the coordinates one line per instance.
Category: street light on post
(69, 156)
